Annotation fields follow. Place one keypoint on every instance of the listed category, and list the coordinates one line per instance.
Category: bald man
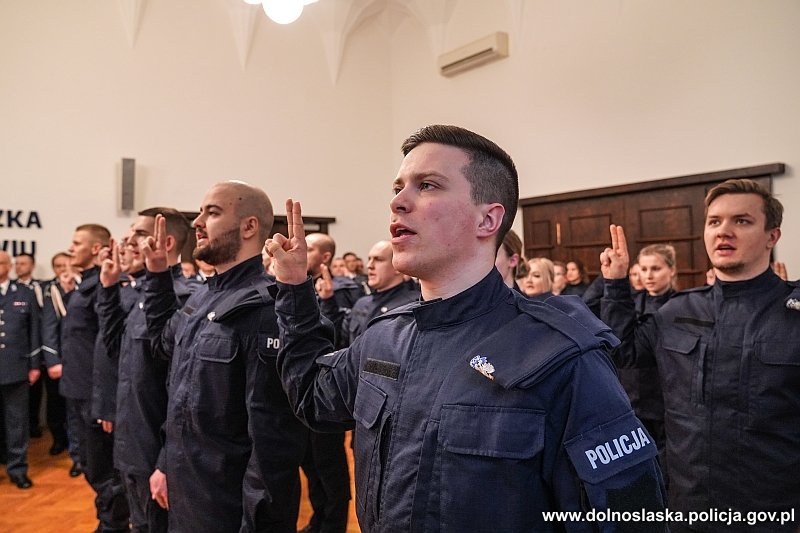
(233, 445)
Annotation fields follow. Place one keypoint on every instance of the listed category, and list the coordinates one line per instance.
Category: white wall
(595, 93)
(598, 93)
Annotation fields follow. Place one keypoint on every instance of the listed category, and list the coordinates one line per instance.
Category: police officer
(389, 289)
(729, 364)
(476, 409)
(56, 294)
(233, 445)
(80, 346)
(20, 344)
(24, 263)
(141, 395)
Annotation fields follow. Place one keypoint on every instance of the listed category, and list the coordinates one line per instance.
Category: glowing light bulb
(283, 11)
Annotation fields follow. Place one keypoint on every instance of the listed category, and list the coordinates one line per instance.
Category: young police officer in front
(475, 409)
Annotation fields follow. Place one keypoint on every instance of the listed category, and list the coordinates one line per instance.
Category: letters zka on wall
(18, 219)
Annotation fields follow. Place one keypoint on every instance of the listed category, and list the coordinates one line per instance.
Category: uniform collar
(757, 285)
(5, 286)
(471, 303)
(235, 275)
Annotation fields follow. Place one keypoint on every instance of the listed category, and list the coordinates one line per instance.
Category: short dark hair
(26, 254)
(177, 225)
(98, 233)
(491, 172)
(59, 254)
(773, 209)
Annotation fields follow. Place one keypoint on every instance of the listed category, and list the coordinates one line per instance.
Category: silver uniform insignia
(211, 316)
(482, 365)
(793, 304)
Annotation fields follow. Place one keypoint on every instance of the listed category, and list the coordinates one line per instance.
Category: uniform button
(2, 333)
(2, 346)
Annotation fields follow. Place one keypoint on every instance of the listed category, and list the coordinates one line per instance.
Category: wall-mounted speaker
(128, 183)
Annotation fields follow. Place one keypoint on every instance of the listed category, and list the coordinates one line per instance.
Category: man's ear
(326, 258)
(774, 236)
(492, 219)
(249, 227)
(170, 243)
(96, 247)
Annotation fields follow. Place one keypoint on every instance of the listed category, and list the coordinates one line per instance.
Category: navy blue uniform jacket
(728, 356)
(141, 394)
(475, 413)
(20, 334)
(225, 401)
(78, 338)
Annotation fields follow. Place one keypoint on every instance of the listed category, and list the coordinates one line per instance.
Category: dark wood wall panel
(575, 225)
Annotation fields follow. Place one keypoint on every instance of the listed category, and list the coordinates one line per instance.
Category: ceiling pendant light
(283, 11)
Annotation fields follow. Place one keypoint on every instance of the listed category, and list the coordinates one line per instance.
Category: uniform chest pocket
(774, 380)
(500, 446)
(219, 384)
(686, 358)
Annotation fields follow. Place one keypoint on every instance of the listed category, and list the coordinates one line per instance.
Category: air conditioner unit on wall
(489, 48)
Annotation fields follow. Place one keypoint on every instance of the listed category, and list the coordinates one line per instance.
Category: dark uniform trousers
(729, 363)
(475, 413)
(233, 445)
(80, 348)
(20, 346)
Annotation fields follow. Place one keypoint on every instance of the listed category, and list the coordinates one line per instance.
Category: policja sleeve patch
(607, 450)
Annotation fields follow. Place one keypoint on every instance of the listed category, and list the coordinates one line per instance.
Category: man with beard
(141, 393)
(729, 364)
(233, 445)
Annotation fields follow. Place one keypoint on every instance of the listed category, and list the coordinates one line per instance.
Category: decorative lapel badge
(482, 365)
(793, 304)
(211, 315)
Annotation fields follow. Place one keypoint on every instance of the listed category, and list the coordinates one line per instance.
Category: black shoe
(22, 481)
(57, 448)
(35, 432)
(76, 470)
(310, 528)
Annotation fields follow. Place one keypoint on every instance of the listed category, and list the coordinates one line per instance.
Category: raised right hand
(155, 249)
(614, 261)
(290, 255)
(110, 269)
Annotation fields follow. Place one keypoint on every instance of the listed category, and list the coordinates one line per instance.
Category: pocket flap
(778, 353)
(684, 343)
(216, 348)
(369, 404)
(503, 432)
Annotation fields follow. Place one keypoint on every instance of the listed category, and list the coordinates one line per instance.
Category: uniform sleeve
(607, 460)
(319, 383)
(50, 331)
(112, 318)
(637, 336)
(160, 304)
